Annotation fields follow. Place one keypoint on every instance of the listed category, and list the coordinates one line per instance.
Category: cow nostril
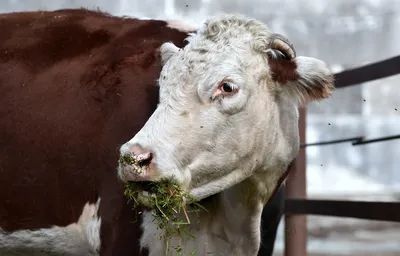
(144, 159)
(137, 155)
(130, 159)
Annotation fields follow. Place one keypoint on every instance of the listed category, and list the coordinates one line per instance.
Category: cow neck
(230, 225)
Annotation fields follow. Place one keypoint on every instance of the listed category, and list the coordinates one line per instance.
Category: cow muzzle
(136, 164)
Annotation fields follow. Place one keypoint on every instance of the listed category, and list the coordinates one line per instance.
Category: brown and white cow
(75, 85)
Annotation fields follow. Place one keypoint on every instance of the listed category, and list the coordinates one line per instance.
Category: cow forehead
(206, 59)
(226, 43)
(233, 31)
(194, 62)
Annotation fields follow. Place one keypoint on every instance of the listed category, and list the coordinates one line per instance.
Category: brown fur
(74, 86)
(282, 70)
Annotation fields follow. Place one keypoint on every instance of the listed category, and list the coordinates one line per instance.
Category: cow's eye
(227, 87)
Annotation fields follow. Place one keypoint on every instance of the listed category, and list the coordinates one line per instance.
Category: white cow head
(228, 108)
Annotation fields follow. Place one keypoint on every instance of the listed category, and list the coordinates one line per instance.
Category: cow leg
(270, 219)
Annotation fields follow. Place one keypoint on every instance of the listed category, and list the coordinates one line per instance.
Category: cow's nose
(136, 163)
(141, 155)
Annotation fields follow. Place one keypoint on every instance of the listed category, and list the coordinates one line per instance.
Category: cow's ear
(301, 78)
(167, 51)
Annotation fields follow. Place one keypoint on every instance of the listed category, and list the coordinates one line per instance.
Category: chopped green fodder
(127, 159)
(169, 202)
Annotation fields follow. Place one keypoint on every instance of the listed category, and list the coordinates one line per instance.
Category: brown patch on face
(283, 70)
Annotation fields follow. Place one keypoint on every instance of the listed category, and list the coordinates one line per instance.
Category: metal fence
(297, 206)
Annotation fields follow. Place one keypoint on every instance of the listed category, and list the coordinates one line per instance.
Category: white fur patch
(181, 26)
(77, 239)
(167, 51)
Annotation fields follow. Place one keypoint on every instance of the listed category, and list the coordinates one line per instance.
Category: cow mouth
(141, 193)
(167, 201)
(153, 194)
(147, 186)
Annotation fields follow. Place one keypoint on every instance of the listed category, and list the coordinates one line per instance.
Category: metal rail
(363, 142)
(330, 142)
(360, 140)
(383, 211)
(367, 73)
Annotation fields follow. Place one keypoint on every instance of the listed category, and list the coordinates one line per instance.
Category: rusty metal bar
(374, 71)
(384, 211)
(296, 225)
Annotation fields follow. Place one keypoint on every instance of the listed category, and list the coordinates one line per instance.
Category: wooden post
(296, 225)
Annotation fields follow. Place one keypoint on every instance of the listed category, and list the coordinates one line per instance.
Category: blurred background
(345, 34)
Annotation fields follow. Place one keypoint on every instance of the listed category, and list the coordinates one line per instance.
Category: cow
(75, 85)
